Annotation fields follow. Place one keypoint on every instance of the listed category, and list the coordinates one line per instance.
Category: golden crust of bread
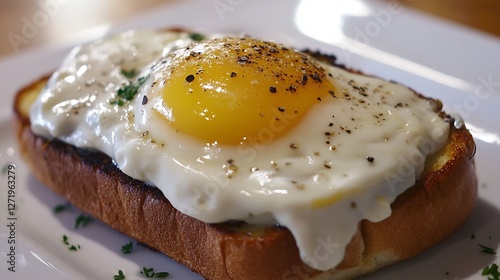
(426, 213)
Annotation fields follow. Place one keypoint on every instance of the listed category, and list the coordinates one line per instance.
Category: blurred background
(69, 18)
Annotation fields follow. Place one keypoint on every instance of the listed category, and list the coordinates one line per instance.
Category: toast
(425, 214)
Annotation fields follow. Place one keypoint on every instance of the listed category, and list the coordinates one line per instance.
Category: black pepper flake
(319, 98)
(294, 146)
(190, 78)
(353, 205)
(330, 124)
(144, 100)
(327, 166)
(304, 79)
(370, 159)
(230, 161)
(316, 77)
(233, 74)
(243, 59)
(332, 93)
(281, 109)
(348, 131)
(272, 89)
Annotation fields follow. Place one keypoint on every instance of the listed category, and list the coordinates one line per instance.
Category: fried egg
(237, 128)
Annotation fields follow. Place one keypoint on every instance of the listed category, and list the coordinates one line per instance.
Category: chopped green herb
(161, 275)
(127, 248)
(492, 272)
(82, 220)
(487, 250)
(71, 247)
(119, 276)
(65, 240)
(130, 74)
(150, 273)
(196, 37)
(128, 92)
(61, 207)
(74, 248)
(120, 102)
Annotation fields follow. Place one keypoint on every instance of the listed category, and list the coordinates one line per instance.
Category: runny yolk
(241, 90)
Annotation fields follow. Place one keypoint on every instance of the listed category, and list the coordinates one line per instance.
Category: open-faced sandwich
(246, 159)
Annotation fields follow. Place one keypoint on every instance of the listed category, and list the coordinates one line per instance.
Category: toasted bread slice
(428, 212)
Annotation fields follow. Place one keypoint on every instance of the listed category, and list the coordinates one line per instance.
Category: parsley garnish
(196, 37)
(127, 248)
(71, 247)
(119, 276)
(150, 273)
(82, 220)
(127, 93)
(61, 207)
(491, 272)
(129, 74)
(74, 248)
(65, 240)
(487, 250)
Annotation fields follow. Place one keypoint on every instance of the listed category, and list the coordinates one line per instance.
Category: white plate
(455, 64)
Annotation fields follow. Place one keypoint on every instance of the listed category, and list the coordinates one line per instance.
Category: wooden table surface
(70, 16)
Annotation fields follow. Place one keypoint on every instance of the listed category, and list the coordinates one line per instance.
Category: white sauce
(379, 138)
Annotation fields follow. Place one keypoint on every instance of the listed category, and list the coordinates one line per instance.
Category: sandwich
(247, 159)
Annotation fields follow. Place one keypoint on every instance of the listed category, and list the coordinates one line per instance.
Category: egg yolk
(240, 90)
